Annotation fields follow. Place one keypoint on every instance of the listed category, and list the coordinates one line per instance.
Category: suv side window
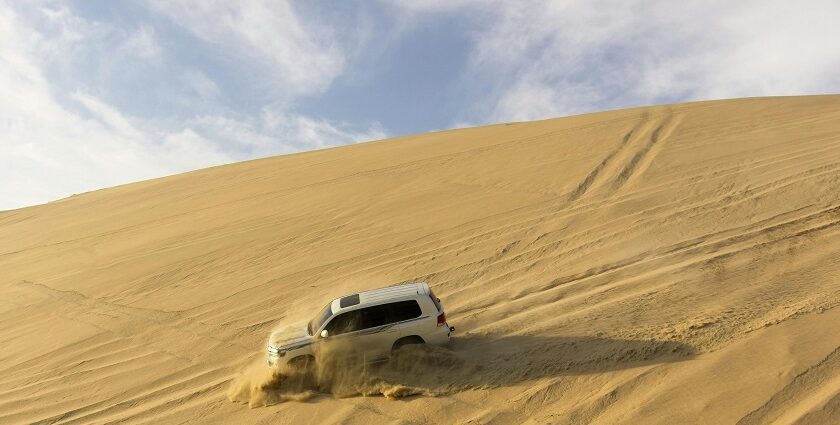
(404, 310)
(345, 322)
(375, 316)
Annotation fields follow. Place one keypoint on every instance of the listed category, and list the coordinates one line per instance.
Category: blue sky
(97, 93)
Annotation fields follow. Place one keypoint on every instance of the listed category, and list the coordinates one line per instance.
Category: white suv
(367, 326)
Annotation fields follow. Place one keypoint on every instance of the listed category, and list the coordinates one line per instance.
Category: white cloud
(143, 44)
(115, 122)
(62, 35)
(57, 142)
(190, 151)
(277, 132)
(777, 48)
(47, 150)
(318, 133)
(201, 85)
(68, 28)
(300, 57)
(547, 58)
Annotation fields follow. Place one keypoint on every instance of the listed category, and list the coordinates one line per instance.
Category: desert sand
(661, 265)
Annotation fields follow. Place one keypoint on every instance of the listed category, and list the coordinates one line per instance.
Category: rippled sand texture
(671, 264)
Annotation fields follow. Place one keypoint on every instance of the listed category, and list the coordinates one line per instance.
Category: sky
(97, 93)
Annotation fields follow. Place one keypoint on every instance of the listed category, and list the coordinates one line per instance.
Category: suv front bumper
(274, 356)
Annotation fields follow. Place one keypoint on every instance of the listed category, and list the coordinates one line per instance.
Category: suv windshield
(319, 319)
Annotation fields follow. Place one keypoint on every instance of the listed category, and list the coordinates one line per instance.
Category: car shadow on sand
(487, 361)
(524, 357)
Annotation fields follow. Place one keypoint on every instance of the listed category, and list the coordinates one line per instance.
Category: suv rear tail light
(441, 320)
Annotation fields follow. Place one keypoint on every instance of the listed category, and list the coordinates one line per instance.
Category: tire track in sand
(804, 394)
(591, 178)
(631, 158)
(644, 157)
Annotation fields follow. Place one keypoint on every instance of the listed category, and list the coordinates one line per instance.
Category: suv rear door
(407, 317)
(386, 323)
(377, 334)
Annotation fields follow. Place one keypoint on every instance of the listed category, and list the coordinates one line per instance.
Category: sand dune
(670, 264)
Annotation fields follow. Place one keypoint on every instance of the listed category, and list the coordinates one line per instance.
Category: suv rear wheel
(409, 340)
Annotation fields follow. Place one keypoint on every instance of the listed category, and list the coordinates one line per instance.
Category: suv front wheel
(302, 363)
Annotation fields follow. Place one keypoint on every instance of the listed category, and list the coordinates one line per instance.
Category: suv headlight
(276, 351)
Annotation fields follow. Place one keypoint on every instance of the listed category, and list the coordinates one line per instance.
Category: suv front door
(340, 342)
(364, 334)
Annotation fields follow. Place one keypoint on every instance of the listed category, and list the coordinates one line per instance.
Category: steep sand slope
(674, 264)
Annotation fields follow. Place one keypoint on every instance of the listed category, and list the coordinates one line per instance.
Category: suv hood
(289, 336)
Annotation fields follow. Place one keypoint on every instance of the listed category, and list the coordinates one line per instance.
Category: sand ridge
(668, 264)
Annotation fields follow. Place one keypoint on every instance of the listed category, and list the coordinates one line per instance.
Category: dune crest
(668, 264)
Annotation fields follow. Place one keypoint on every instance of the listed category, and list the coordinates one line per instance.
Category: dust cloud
(414, 370)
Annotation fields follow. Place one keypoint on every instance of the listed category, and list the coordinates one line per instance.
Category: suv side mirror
(324, 333)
